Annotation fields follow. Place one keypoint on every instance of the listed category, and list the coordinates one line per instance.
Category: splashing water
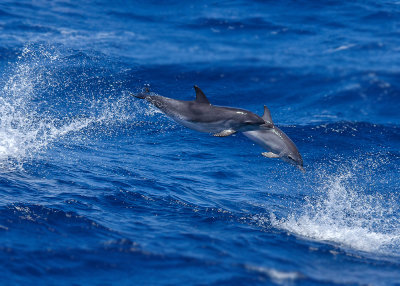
(28, 124)
(345, 213)
(22, 131)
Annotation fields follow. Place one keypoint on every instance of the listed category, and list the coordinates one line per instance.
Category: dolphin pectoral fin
(225, 133)
(270, 155)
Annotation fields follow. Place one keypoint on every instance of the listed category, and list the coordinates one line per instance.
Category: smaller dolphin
(275, 141)
(202, 116)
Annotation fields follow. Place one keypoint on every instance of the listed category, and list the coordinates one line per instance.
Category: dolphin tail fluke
(139, 95)
(143, 94)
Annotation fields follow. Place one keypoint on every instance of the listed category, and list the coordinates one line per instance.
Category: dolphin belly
(206, 127)
(268, 139)
(200, 118)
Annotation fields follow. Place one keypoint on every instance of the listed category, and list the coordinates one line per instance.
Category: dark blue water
(97, 187)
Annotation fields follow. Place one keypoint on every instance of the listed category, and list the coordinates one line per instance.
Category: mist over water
(99, 187)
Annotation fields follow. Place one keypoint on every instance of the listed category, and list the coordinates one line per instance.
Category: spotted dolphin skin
(202, 116)
(275, 141)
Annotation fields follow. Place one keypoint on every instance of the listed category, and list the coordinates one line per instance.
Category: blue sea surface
(100, 188)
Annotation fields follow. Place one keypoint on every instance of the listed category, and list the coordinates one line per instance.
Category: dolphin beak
(301, 169)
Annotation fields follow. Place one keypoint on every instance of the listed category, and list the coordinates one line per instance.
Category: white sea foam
(277, 276)
(19, 125)
(27, 125)
(344, 211)
(341, 48)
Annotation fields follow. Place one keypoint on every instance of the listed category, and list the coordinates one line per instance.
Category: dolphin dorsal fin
(267, 116)
(200, 96)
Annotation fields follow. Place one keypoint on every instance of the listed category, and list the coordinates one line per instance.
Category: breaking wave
(349, 210)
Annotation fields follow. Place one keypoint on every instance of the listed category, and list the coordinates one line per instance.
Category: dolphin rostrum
(202, 116)
(275, 141)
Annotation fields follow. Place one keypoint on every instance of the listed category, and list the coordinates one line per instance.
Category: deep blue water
(97, 187)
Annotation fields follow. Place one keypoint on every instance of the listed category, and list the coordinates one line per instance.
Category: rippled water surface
(98, 187)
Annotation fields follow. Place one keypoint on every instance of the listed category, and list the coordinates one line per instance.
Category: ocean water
(100, 188)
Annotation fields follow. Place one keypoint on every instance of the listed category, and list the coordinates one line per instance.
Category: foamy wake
(345, 212)
(26, 127)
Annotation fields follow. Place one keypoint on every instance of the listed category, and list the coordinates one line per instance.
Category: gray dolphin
(275, 141)
(202, 116)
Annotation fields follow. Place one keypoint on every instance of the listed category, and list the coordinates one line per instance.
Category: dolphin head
(287, 150)
(284, 146)
(277, 143)
(292, 156)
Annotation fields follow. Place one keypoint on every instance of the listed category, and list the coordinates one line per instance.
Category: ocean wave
(98, 187)
(349, 209)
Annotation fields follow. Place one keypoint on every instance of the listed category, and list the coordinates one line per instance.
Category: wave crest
(351, 210)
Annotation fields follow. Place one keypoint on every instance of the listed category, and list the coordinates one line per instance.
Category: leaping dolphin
(275, 141)
(202, 116)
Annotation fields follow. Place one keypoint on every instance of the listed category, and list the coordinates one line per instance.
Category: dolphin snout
(294, 159)
(301, 168)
